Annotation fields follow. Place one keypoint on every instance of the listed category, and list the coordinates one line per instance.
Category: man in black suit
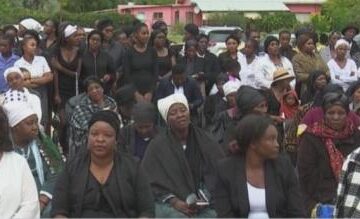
(180, 83)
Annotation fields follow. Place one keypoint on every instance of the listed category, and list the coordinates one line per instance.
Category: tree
(339, 13)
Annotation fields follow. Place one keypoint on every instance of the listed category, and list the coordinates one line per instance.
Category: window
(157, 16)
(189, 17)
(177, 17)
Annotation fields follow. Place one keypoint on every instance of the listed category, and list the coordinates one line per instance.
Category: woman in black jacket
(102, 182)
(257, 182)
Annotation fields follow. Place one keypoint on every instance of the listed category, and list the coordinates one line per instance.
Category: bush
(228, 19)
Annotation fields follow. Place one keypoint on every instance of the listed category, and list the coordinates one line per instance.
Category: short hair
(250, 129)
(284, 32)
(268, 41)
(158, 24)
(232, 37)
(25, 40)
(33, 34)
(102, 24)
(192, 29)
(154, 34)
(5, 141)
(332, 98)
(138, 26)
(178, 69)
(190, 43)
(55, 23)
(201, 36)
(10, 27)
(91, 80)
(254, 43)
(95, 32)
(231, 64)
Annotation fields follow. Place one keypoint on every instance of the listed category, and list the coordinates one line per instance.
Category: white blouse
(346, 75)
(18, 193)
(247, 72)
(266, 68)
(37, 67)
(257, 202)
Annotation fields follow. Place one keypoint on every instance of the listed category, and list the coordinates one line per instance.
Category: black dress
(165, 63)
(67, 84)
(141, 69)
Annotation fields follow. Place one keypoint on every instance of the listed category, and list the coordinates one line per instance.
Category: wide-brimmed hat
(281, 74)
(350, 26)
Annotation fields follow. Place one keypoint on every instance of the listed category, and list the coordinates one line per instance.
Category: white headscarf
(231, 87)
(341, 42)
(164, 104)
(17, 111)
(31, 24)
(13, 70)
(69, 30)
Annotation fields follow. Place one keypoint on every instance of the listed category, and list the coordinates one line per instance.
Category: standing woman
(18, 188)
(270, 62)
(140, 65)
(48, 44)
(40, 74)
(327, 53)
(232, 43)
(102, 182)
(96, 62)
(67, 65)
(257, 182)
(307, 60)
(165, 57)
(343, 71)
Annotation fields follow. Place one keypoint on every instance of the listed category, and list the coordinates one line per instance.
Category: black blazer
(135, 192)
(282, 189)
(191, 91)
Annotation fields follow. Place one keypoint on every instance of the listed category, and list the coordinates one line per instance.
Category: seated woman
(316, 82)
(322, 150)
(353, 93)
(94, 101)
(15, 78)
(42, 155)
(102, 182)
(343, 70)
(180, 163)
(18, 188)
(257, 182)
(135, 137)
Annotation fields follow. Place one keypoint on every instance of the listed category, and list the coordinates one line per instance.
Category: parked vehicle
(217, 36)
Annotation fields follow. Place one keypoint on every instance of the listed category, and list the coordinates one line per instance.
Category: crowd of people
(119, 123)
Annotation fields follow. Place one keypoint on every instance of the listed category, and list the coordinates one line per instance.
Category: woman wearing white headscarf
(28, 24)
(42, 155)
(180, 163)
(343, 70)
(19, 197)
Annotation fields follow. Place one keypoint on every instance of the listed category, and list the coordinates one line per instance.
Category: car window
(219, 35)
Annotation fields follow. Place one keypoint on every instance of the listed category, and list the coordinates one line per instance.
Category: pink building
(180, 12)
(303, 9)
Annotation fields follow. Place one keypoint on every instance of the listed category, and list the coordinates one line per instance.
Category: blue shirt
(6, 63)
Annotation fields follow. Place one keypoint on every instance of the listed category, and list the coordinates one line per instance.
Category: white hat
(164, 104)
(231, 87)
(13, 70)
(31, 24)
(70, 30)
(17, 111)
(341, 42)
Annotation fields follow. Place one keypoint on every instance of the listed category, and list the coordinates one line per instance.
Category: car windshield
(219, 35)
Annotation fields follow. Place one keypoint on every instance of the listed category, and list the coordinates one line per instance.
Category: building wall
(146, 14)
(304, 8)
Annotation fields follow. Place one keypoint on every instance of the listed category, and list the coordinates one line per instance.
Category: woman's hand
(183, 207)
(106, 78)
(44, 201)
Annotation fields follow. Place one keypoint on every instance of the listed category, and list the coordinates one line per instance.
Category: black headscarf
(248, 98)
(330, 88)
(107, 116)
(144, 112)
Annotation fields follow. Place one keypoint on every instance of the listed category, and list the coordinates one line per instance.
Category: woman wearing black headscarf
(102, 182)
(316, 82)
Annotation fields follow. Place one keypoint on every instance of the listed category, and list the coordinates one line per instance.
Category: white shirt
(178, 90)
(344, 74)
(37, 67)
(247, 72)
(18, 193)
(257, 202)
(266, 68)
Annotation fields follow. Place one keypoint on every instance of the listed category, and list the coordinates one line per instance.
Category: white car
(217, 36)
